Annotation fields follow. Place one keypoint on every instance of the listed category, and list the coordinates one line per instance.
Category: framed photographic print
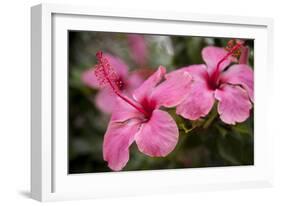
(135, 102)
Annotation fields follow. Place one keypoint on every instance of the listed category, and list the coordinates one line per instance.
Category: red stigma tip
(99, 55)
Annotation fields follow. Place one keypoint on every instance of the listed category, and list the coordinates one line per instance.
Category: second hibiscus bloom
(231, 86)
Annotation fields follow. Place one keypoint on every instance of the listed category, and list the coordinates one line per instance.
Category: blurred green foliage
(207, 142)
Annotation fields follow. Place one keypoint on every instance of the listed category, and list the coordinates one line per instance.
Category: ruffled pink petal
(138, 48)
(118, 65)
(172, 91)
(89, 78)
(148, 85)
(134, 81)
(159, 136)
(122, 111)
(105, 100)
(117, 140)
(234, 104)
(240, 74)
(198, 72)
(197, 103)
(212, 55)
(199, 98)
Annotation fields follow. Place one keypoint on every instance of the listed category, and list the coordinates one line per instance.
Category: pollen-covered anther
(232, 47)
(105, 73)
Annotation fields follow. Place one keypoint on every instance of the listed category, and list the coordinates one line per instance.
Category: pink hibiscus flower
(138, 47)
(105, 98)
(232, 87)
(140, 119)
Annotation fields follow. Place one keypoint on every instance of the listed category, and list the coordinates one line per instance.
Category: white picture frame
(49, 177)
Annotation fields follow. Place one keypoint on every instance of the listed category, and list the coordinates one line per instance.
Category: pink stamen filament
(215, 75)
(124, 98)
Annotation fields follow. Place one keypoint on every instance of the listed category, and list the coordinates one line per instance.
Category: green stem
(185, 129)
(209, 121)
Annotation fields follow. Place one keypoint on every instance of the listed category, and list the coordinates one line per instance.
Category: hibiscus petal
(123, 111)
(159, 136)
(234, 104)
(145, 89)
(240, 74)
(117, 140)
(199, 98)
(198, 72)
(198, 101)
(138, 48)
(89, 78)
(172, 91)
(134, 81)
(105, 100)
(212, 55)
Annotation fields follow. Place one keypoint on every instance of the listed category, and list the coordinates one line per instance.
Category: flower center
(120, 84)
(148, 106)
(233, 48)
(107, 75)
